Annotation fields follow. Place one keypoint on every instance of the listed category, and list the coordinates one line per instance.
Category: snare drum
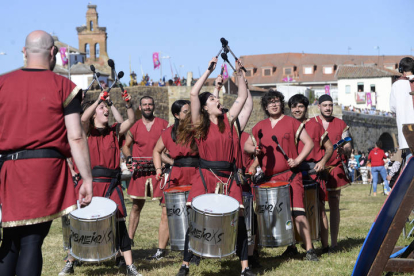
(213, 225)
(311, 202)
(66, 232)
(274, 217)
(248, 216)
(93, 231)
(175, 203)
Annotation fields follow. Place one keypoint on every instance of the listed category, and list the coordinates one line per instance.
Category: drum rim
(183, 191)
(215, 214)
(263, 186)
(93, 260)
(94, 219)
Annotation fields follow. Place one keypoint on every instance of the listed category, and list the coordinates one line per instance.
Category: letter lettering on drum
(207, 235)
(92, 238)
(177, 211)
(266, 207)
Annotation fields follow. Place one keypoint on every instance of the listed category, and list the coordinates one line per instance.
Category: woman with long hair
(104, 149)
(183, 161)
(377, 157)
(216, 136)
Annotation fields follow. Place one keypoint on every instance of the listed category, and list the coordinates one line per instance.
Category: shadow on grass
(349, 243)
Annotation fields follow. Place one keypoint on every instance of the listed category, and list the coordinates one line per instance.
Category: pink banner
(328, 89)
(63, 55)
(156, 60)
(225, 72)
(369, 101)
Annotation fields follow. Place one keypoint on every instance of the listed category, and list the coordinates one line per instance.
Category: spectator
(377, 156)
(357, 157)
(363, 168)
(395, 170)
(352, 167)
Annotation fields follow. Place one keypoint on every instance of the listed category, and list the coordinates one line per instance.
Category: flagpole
(160, 58)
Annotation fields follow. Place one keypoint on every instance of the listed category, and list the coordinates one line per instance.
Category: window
(267, 72)
(327, 70)
(372, 87)
(347, 89)
(288, 71)
(87, 50)
(91, 25)
(360, 87)
(307, 70)
(248, 73)
(97, 51)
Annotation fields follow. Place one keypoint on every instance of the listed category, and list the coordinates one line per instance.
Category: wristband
(128, 106)
(109, 103)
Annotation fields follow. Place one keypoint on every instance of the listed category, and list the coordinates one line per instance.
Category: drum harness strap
(114, 176)
(27, 154)
(217, 168)
(309, 169)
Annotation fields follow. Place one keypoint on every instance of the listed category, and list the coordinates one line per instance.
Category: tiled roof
(357, 72)
(298, 60)
(83, 69)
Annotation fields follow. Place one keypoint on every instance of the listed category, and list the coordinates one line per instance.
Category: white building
(365, 86)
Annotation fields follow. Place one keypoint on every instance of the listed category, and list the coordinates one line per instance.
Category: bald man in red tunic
(143, 136)
(288, 132)
(316, 160)
(39, 128)
(337, 129)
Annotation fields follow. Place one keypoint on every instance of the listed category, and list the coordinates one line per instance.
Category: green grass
(358, 211)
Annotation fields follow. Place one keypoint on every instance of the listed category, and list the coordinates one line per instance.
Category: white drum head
(215, 204)
(98, 208)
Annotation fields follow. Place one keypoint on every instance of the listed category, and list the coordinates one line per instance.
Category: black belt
(268, 178)
(190, 161)
(30, 154)
(99, 171)
(217, 167)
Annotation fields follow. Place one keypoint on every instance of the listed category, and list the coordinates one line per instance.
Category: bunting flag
(369, 100)
(225, 73)
(156, 60)
(63, 55)
(328, 89)
(287, 79)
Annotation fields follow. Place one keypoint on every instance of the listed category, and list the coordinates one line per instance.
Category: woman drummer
(184, 162)
(104, 150)
(215, 137)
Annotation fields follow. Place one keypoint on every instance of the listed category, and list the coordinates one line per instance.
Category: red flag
(156, 60)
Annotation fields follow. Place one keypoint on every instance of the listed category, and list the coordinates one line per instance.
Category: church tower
(93, 41)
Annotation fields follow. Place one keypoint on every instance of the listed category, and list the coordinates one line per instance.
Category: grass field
(358, 211)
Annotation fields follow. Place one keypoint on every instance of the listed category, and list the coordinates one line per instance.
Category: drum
(249, 216)
(311, 202)
(175, 203)
(274, 217)
(93, 231)
(66, 232)
(213, 225)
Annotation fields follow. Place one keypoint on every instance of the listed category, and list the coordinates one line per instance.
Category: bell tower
(93, 40)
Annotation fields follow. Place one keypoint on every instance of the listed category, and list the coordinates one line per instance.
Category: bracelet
(128, 106)
(158, 169)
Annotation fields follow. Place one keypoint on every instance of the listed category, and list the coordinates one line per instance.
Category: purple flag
(327, 90)
(156, 60)
(63, 55)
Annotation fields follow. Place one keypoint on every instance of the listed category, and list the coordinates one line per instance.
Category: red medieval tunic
(243, 159)
(32, 106)
(104, 151)
(179, 176)
(143, 146)
(318, 134)
(337, 179)
(216, 146)
(273, 163)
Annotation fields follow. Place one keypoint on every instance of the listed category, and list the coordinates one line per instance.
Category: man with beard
(316, 160)
(288, 132)
(143, 136)
(36, 185)
(337, 179)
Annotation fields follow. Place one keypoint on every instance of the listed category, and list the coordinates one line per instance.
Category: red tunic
(35, 190)
(104, 150)
(216, 146)
(337, 179)
(178, 176)
(144, 143)
(318, 134)
(287, 131)
(243, 159)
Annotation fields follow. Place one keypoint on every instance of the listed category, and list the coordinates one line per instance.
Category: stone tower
(93, 41)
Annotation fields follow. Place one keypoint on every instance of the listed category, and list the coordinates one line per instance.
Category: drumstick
(274, 138)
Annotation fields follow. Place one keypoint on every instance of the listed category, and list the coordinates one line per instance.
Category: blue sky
(189, 31)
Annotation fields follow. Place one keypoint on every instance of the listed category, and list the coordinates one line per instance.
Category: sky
(189, 32)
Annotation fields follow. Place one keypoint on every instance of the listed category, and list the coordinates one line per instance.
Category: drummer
(288, 132)
(104, 149)
(315, 163)
(214, 134)
(183, 160)
(143, 136)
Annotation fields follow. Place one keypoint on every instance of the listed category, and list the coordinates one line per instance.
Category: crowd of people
(206, 148)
